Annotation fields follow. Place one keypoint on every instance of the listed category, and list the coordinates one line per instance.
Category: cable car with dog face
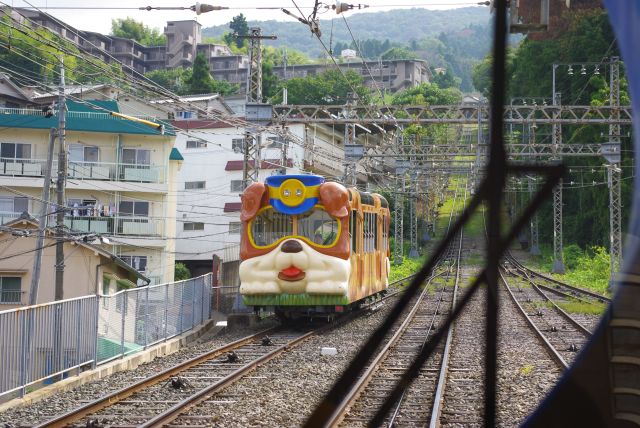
(311, 247)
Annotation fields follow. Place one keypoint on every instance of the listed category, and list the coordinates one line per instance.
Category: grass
(526, 369)
(408, 267)
(577, 307)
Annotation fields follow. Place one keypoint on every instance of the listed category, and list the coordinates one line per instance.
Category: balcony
(6, 217)
(106, 171)
(117, 226)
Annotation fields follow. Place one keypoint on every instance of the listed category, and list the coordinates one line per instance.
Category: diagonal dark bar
(555, 173)
(496, 177)
(323, 411)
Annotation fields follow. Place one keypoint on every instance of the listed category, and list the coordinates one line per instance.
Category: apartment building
(120, 183)
(184, 42)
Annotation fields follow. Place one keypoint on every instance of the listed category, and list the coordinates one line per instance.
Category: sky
(100, 20)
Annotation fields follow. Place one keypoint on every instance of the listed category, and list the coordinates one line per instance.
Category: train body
(309, 246)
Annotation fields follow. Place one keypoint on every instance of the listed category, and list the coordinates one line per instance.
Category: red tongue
(291, 271)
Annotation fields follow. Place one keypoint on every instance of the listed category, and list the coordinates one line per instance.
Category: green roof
(175, 155)
(81, 117)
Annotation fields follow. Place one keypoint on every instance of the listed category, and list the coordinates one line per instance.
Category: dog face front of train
(293, 240)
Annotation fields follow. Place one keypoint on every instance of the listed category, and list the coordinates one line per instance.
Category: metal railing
(108, 171)
(118, 225)
(44, 343)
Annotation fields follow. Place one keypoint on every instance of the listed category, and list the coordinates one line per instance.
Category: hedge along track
(211, 371)
(361, 403)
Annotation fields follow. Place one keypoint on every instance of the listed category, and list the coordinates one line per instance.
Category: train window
(375, 231)
(353, 229)
(269, 227)
(318, 227)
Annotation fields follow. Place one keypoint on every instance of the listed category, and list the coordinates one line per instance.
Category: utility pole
(253, 110)
(398, 209)
(60, 184)
(556, 141)
(612, 153)
(42, 221)
(534, 248)
(284, 158)
(413, 199)
(352, 150)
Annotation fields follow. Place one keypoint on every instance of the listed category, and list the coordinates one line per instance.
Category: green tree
(446, 79)
(181, 272)
(129, 28)
(238, 26)
(398, 53)
(172, 79)
(330, 87)
(269, 81)
(201, 82)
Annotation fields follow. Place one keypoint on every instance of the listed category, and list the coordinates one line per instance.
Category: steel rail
(445, 353)
(581, 290)
(444, 365)
(358, 388)
(564, 314)
(341, 410)
(552, 350)
(119, 395)
(178, 409)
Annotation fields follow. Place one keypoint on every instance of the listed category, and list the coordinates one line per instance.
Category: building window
(14, 205)
(139, 263)
(10, 289)
(237, 145)
(136, 156)
(15, 150)
(194, 185)
(237, 185)
(134, 209)
(196, 144)
(190, 226)
(234, 227)
(80, 153)
(185, 115)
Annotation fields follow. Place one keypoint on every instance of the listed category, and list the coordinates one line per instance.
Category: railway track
(422, 320)
(552, 285)
(161, 398)
(562, 334)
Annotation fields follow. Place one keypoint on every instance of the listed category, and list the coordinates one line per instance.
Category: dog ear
(252, 200)
(335, 199)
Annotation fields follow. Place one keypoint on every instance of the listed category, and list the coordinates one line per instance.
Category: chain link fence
(44, 343)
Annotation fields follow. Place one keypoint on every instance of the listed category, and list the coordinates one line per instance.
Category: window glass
(8, 150)
(139, 263)
(143, 157)
(91, 154)
(76, 154)
(134, 208)
(194, 185)
(10, 288)
(318, 227)
(234, 227)
(193, 226)
(129, 156)
(353, 227)
(236, 185)
(23, 151)
(269, 226)
(375, 231)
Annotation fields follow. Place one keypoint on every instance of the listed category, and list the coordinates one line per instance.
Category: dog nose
(291, 246)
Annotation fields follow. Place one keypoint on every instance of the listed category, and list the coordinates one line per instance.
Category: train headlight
(292, 192)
